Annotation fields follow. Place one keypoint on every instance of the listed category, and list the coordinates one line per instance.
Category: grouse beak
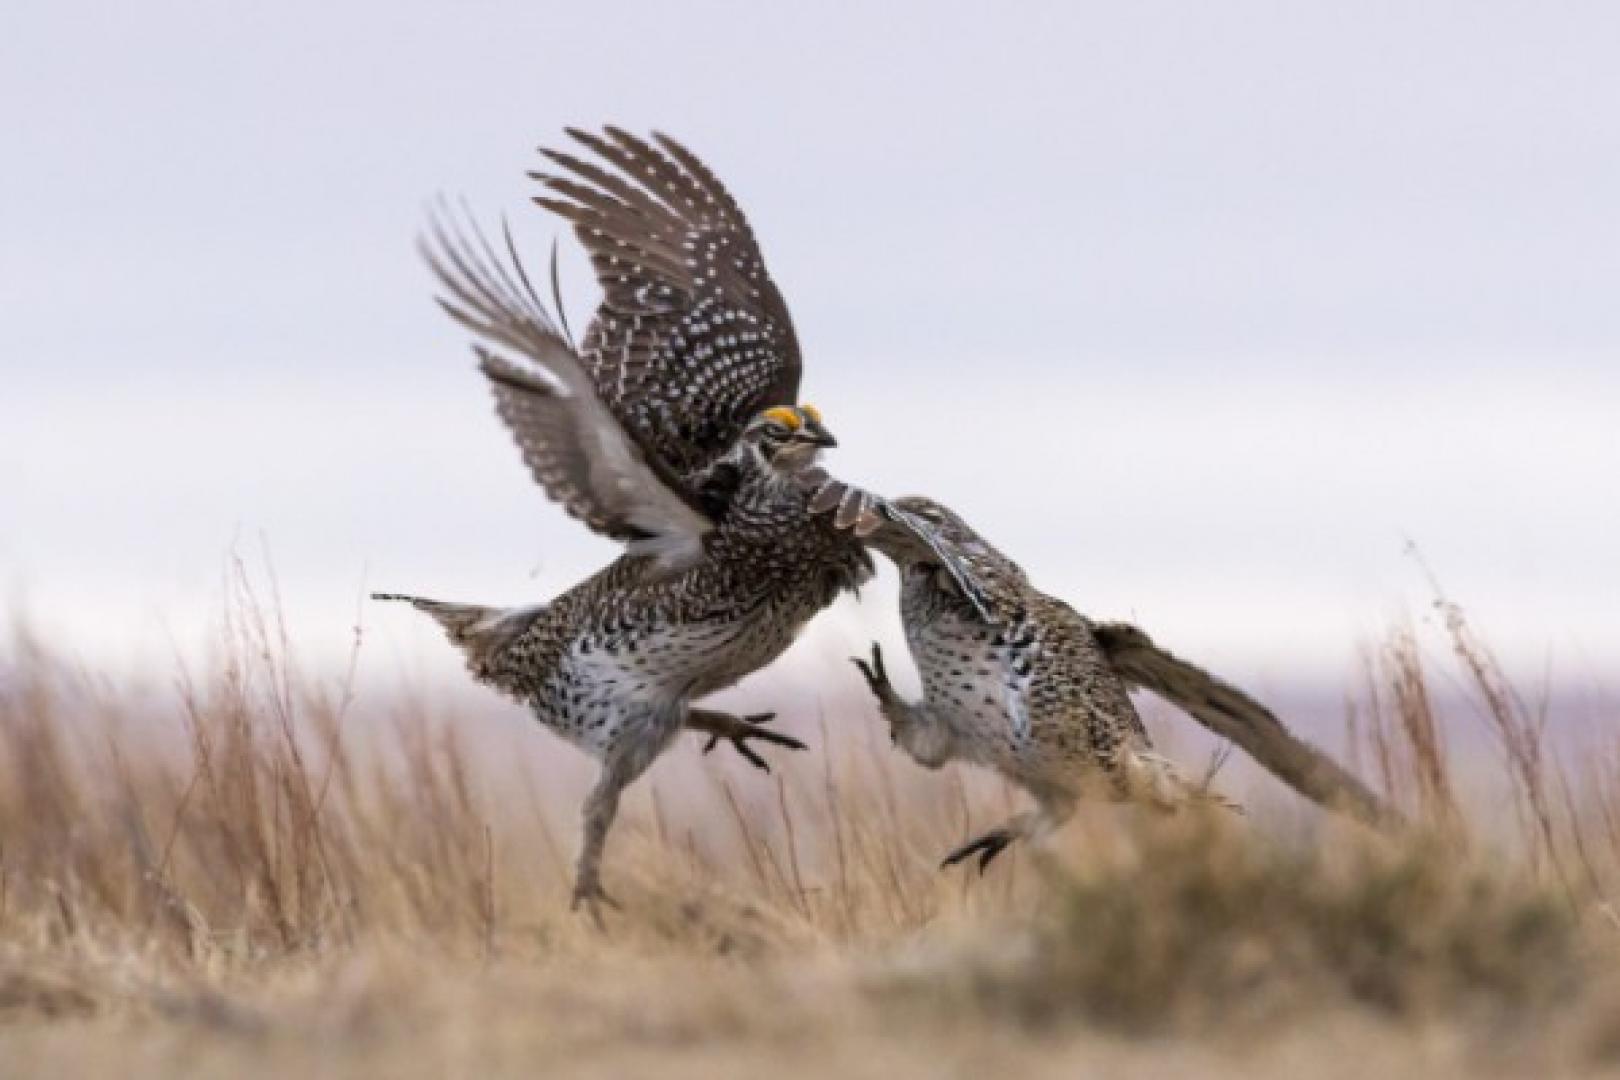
(816, 435)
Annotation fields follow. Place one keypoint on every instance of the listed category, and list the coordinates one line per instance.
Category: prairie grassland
(255, 871)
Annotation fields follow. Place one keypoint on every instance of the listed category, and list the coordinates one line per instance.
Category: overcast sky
(1200, 311)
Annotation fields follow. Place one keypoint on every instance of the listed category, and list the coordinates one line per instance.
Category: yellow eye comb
(812, 412)
(786, 417)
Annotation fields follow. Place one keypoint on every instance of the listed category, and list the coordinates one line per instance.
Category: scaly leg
(912, 727)
(624, 762)
(601, 806)
(1051, 812)
(877, 680)
(737, 730)
(992, 843)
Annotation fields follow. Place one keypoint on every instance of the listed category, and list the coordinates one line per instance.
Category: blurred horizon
(1202, 315)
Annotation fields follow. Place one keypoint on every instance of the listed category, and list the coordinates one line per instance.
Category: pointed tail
(1234, 715)
(480, 632)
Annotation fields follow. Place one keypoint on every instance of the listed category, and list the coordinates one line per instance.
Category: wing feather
(692, 338)
(571, 442)
(905, 536)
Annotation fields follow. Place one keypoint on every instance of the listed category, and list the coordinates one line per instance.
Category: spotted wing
(571, 442)
(989, 581)
(692, 338)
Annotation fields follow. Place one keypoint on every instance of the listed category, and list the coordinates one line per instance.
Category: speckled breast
(699, 635)
(975, 679)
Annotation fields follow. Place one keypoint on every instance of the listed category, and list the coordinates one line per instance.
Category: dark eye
(776, 431)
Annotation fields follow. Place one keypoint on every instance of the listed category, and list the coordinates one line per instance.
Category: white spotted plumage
(1013, 679)
(662, 431)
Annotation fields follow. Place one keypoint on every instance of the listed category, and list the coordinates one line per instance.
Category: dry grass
(256, 872)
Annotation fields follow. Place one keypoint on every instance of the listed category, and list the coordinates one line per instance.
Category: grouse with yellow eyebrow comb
(676, 432)
(1017, 680)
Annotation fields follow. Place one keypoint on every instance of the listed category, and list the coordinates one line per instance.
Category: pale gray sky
(1199, 310)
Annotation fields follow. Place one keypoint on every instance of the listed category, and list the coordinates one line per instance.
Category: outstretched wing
(989, 581)
(571, 442)
(1234, 715)
(692, 338)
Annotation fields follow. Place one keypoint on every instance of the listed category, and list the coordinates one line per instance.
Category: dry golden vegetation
(256, 870)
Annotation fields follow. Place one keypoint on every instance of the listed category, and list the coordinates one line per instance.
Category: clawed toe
(739, 739)
(773, 737)
(876, 675)
(986, 847)
(748, 754)
(593, 897)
